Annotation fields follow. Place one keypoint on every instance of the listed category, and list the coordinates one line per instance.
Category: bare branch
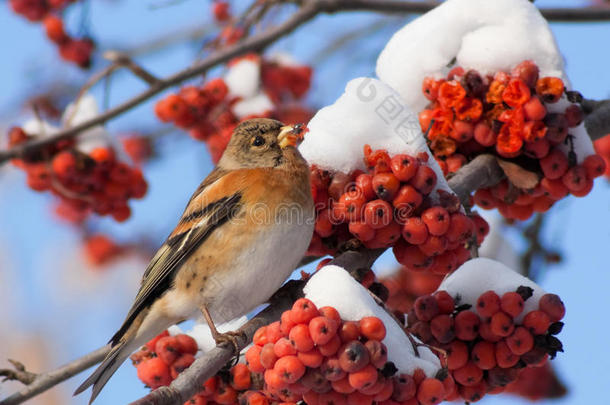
(43, 382)
(482, 171)
(597, 121)
(18, 373)
(581, 14)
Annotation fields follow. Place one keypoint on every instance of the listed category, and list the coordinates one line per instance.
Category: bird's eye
(258, 141)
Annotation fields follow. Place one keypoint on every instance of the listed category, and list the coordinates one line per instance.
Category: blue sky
(44, 291)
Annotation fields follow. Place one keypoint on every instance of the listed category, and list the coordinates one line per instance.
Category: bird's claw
(230, 337)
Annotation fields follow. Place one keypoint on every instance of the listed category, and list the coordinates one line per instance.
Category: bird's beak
(290, 135)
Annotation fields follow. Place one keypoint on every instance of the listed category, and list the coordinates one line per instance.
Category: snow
(256, 105)
(243, 78)
(333, 286)
(202, 334)
(480, 34)
(85, 109)
(478, 275)
(38, 127)
(487, 36)
(496, 246)
(368, 112)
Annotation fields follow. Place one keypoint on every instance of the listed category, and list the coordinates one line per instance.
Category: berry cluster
(393, 204)
(207, 112)
(489, 344)
(75, 50)
(602, 147)
(313, 355)
(509, 115)
(94, 182)
(100, 249)
(161, 360)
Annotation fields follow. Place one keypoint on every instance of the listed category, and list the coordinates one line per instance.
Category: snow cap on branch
(487, 36)
(368, 112)
(333, 286)
(478, 275)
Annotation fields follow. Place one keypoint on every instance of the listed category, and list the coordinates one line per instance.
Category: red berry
(504, 356)
(289, 368)
(371, 327)
(445, 302)
(322, 329)
(467, 325)
(154, 373)
(414, 231)
(424, 179)
(377, 214)
(437, 220)
(425, 308)
(484, 355)
(441, 328)
(430, 392)
(404, 167)
(502, 324)
(512, 304)
(595, 166)
(537, 322)
(457, 352)
(488, 304)
(468, 375)
(552, 305)
(300, 338)
(303, 310)
(520, 342)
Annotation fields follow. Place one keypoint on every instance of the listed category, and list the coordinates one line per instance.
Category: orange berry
(468, 375)
(343, 386)
(504, 356)
(437, 220)
(167, 349)
(349, 331)
(430, 392)
(322, 329)
(488, 304)
(274, 332)
(268, 356)
(550, 89)
(512, 303)
(378, 353)
(182, 363)
(467, 325)
(404, 388)
(186, 344)
(240, 377)
(502, 324)
(377, 214)
(372, 328)
(457, 352)
(312, 358)
(484, 355)
(283, 347)
(552, 305)
(253, 359)
(260, 336)
(521, 341)
(300, 338)
(154, 373)
(537, 322)
(424, 179)
(353, 356)
(303, 310)
(289, 368)
(331, 347)
(363, 378)
(415, 230)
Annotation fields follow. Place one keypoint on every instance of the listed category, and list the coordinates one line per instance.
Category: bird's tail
(129, 338)
(117, 355)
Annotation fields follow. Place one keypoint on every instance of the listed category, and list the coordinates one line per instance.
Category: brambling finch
(242, 233)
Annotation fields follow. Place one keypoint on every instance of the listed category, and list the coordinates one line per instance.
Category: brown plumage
(247, 225)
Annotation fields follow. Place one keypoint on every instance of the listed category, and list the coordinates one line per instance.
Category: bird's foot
(230, 337)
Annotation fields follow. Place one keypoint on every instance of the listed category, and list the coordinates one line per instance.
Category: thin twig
(43, 382)
(17, 373)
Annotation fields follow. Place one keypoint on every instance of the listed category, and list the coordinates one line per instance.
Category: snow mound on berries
(243, 78)
(488, 36)
(333, 286)
(496, 246)
(368, 112)
(84, 109)
(478, 275)
(257, 105)
(202, 334)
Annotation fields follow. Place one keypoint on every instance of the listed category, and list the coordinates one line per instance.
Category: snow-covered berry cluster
(517, 116)
(393, 204)
(254, 86)
(313, 355)
(490, 342)
(160, 361)
(75, 50)
(85, 182)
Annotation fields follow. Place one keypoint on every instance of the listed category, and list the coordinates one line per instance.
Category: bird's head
(261, 142)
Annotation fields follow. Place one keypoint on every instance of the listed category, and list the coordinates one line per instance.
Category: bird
(242, 233)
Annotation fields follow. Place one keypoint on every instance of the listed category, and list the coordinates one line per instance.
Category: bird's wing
(216, 201)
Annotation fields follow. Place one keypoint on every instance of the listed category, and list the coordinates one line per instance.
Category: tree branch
(597, 119)
(42, 382)
(308, 11)
(482, 171)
